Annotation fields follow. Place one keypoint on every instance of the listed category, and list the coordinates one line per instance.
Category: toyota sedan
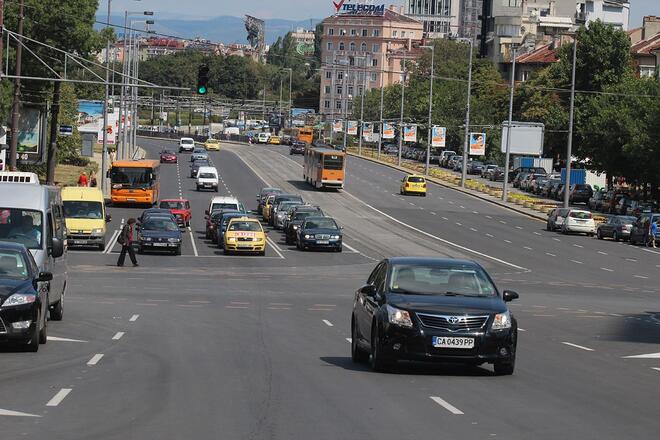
(436, 310)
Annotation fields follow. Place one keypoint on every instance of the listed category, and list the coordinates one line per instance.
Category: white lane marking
(537, 233)
(459, 224)
(59, 397)
(451, 203)
(653, 252)
(446, 405)
(7, 412)
(134, 318)
(350, 248)
(55, 338)
(462, 206)
(508, 241)
(475, 212)
(276, 248)
(656, 368)
(192, 240)
(433, 213)
(349, 340)
(606, 269)
(528, 248)
(550, 255)
(438, 238)
(503, 222)
(490, 235)
(602, 253)
(578, 246)
(473, 230)
(631, 259)
(521, 329)
(445, 218)
(644, 356)
(328, 323)
(117, 336)
(518, 227)
(95, 359)
(110, 244)
(641, 276)
(556, 239)
(578, 346)
(489, 217)
(577, 262)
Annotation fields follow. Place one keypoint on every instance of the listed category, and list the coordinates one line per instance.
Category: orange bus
(135, 181)
(306, 134)
(324, 168)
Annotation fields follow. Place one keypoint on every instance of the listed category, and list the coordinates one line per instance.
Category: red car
(180, 209)
(168, 156)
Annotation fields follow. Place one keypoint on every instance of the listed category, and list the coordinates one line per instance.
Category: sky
(289, 9)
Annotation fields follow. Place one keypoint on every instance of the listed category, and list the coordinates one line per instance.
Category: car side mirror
(206, 212)
(44, 276)
(56, 247)
(368, 290)
(509, 295)
(108, 218)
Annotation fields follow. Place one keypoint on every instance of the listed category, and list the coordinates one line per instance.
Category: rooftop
(541, 55)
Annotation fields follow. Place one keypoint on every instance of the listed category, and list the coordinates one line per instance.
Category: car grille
(323, 236)
(453, 323)
(79, 236)
(3, 329)
(245, 239)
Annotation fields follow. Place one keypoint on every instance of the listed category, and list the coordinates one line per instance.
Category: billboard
(410, 133)
(438, 136)
(367, 129)
(477, 144)
(31, 135)
(352, 128)
(90, 116)
(338, 126)
(526, 138)
(388, 131)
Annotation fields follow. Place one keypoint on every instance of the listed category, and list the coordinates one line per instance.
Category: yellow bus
(324, 168)
(305, 134)
(135, 182)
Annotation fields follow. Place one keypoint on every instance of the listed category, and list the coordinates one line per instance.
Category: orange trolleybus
(325, 168)
(135, 182)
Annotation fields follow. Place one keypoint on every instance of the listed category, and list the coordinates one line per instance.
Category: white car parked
(207, 178)
(579, 221)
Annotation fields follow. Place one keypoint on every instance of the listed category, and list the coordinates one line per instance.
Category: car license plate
(130, 200)
(160, 244)
(322, 242)
(445, 342)
(80, 241)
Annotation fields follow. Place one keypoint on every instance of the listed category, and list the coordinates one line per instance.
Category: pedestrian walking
(653, 231)
(82, 180)
(125, 239)
(92, 182)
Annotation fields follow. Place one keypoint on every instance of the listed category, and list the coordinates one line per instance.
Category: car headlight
(502, 321)
(19, 299)
(295, 227)
(334, 237)
(308, 236)
(398, 317)
(231, 239)
(97, 231)
(174, 240)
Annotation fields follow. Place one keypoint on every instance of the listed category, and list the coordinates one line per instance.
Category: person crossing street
(125, 239)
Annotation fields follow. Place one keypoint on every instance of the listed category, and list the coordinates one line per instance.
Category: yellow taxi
(212, 144)
(413, 184)
(245, 234)
(275, 140)
(267, 207)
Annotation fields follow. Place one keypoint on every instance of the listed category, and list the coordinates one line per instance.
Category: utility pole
(52, 147)
(104, 151)
(569, 146)
(345, 104)
(2, 33)
(428, 147)
(382, 96)
(16, 103)
(467, 120)
(364, 90)
(403, 96)
(505, 187)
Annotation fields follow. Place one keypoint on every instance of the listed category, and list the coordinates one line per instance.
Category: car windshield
(82, 209)
(187, 141)
(434, 279)
(206, 176)
(416, 179)
(304, 215)
(172, 205)
(321, 223)
(21, 226)
(13, 265)
(247, 226)
(160, 224)
(230, 205)
(200, 163)
(167, 152)
(580, 214)
(627, 220)
(132, 177)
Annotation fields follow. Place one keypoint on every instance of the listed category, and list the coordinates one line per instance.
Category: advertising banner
(388, 131)
(90, 116)
(410, 133)
(352, 128)
(477, 144)
(438, 136)
(367, 129)
(338, 126)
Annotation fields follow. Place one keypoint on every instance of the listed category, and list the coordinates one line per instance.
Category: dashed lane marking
(570, 344)
(606, 269)
(350, 248)
(117, 336)
(59, 397)
(528, 248)
(192, 240)
(328, 323)
(134, 318)
(641, 277)
(550, 255)
(446, 405)
(56, 339)
(602, 253)
(577, 262)
(95, 359)
(578, 246)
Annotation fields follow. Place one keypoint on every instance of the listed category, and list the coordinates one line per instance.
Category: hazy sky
(292, 9)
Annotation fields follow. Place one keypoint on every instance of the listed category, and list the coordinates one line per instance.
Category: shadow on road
(414, 368)
(641, 328)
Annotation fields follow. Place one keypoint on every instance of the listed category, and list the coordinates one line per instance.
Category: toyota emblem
(453, 319)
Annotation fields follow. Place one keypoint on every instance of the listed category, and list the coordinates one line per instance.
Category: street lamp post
(403, 97)
(505, 186)
(382, 96)
(467, 118)
(364, 89)
(290, 103)
(569, 145)
(428, 147)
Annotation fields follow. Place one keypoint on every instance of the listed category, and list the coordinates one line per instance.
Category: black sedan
(297, 147)
(159, 234)
(23, 297)
(196, 166)
(319, 232)
(617, 227)
(433, 309)
(298, 216)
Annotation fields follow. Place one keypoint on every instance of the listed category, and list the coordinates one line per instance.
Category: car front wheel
(358, 355)
(378, 362)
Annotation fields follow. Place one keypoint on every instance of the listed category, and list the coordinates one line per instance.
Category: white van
(18, 177)
(225, 203)
(262, 138)
(231, 130)
(207, 178)
(186, 144)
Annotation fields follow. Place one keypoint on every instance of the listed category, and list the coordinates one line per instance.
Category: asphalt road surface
(208, 346)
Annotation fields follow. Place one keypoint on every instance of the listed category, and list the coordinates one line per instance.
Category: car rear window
(206, 176)
(580, 214)
(416, 179)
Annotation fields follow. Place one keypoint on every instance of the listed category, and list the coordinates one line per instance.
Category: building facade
(645, 48)
(361, 51)
(614, 12)
(439, 17)
(303, 36)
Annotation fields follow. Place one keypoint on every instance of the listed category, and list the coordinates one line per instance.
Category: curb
(455, 188)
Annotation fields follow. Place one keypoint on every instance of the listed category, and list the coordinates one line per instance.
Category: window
(349, 107)
(376, 32)
(338, 104)
(350, 90)
(403, 34)
(331, 31)
(342, 31)
(364, 32)
(361, 62)
(340, 90)
(375, 47)
(352, 47)
(330, 45)
(374, 76)
(511, 3)
(363, 47)
(395, 33)
(341, 45)
(328, 74)
(525, 75)
(507, 30)
(327, 89)
(353, 32)
(340, 75)
(646, 71)
(351, 61)
(374, 62)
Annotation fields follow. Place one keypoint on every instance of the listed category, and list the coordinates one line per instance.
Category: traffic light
(202, 79)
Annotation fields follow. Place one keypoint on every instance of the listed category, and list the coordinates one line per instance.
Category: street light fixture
(428, 146)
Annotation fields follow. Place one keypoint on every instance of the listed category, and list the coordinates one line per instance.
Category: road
(205, 345)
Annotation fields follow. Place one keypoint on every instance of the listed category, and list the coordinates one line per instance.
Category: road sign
(66, 130)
